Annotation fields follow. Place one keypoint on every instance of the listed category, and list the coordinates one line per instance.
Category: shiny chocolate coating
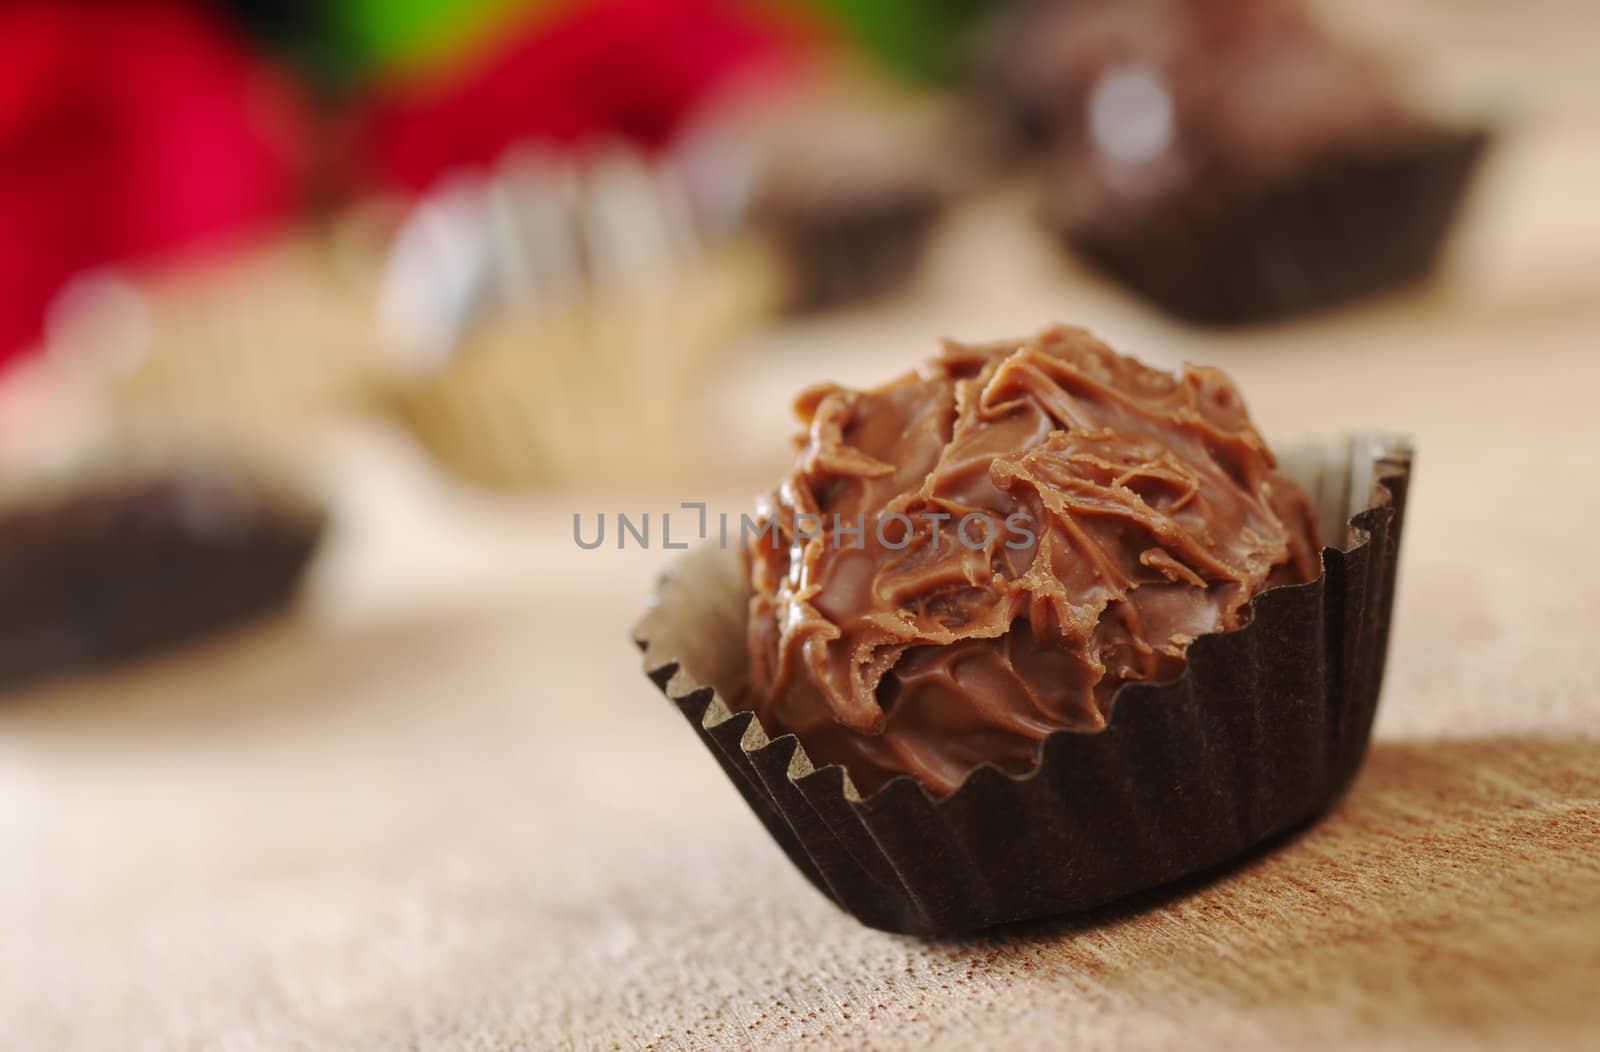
(978, 554)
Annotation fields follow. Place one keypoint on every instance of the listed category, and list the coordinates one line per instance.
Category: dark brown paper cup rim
(1345, 228)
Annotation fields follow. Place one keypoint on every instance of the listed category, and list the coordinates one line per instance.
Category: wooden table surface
(440, 807)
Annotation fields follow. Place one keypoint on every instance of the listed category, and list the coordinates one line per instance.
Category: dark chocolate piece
(975, 556)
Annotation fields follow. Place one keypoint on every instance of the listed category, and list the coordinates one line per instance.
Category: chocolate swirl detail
(976, 555)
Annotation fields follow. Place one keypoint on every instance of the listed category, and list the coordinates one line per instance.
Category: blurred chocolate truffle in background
(112, 562)
(851, 210)
(849, 184)
(1228, 159)
(1042, 60)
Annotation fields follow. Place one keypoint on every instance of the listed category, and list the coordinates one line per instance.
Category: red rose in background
(630, 68)
(127, 130)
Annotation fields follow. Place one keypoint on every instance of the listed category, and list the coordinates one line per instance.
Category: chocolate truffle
(978, 554)
(1232, 161)
(851, 197)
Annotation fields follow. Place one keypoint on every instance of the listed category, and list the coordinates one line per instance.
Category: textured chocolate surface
(1039, 523)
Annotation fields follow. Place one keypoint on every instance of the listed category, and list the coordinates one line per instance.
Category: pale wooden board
(441, 807)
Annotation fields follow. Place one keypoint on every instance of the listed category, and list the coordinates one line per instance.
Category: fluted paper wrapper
(1345, 229)
(143, 551)
(1263, 730)
(595, 387)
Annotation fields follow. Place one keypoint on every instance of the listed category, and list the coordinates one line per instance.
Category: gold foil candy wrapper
(1263, 731)
(592, 390)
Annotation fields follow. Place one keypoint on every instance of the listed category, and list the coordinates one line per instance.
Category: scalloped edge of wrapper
(1263, 731)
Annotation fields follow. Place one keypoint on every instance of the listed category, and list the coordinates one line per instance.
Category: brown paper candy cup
(1345, 229)
(851, 254)
(126, 560)
(1262, 731)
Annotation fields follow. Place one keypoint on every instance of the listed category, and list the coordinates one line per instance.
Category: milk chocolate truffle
(1068, 637)
(979, 554)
